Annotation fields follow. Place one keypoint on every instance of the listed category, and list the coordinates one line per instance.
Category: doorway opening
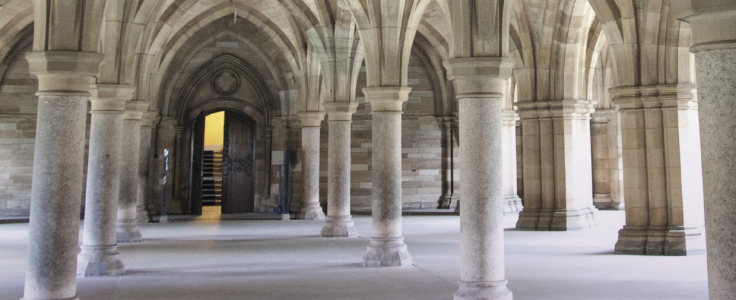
(214, 129)
(222, 177)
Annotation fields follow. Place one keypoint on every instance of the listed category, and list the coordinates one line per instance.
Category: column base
(311, 212)
(633, 240)
(142, 214)
(570, 220)
(546, 216)
(605, 202)
(483, 290)
(339, 226)
(99, 261)
(387, 252)
(444, 202)
(511, 205)
(528, 219)
(128, 231)
(684, 241)
(455, 199)
(660, 241)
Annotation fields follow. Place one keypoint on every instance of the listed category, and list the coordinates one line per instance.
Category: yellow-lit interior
(214, 127)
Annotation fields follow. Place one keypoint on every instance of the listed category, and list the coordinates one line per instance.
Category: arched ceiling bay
(180, 28)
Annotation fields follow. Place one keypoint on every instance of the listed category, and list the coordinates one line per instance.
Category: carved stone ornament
(226, 82)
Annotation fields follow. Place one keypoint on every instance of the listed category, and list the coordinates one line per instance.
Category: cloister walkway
(268, 259)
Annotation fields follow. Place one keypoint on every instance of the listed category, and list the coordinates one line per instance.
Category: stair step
(212, 178)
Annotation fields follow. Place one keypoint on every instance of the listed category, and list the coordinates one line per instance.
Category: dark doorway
(225, 177)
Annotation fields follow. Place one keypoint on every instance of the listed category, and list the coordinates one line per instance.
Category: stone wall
(421, 147)
(18, 106)
(207, 62)
(18, 110)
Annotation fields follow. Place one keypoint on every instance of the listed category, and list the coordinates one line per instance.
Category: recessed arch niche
(225, 83)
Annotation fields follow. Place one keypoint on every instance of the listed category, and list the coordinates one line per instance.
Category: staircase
(212, 178)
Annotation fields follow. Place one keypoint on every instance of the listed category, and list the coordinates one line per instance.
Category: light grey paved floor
(265, 259)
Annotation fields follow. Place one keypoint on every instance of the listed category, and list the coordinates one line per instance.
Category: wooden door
(238, 165)
(195, 175)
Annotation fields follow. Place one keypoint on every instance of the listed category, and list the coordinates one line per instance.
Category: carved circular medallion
(226, 82)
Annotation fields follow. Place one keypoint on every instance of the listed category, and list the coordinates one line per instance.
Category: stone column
(176, 172)
(127, 228)
(292, 143)
(265, 205)
(446, 125)
(63, 90)
(339, 222)
(310, 209)
(144, 156)
(512, 202)
(479, 84)
(607, 159)
(558, 189)
(99, 255)
(663, 183)
(714, 45)
(387, 246)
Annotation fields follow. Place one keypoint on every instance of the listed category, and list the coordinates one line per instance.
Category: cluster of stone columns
(663, 186)
(511, 200)
(605, 140)
(558, 193)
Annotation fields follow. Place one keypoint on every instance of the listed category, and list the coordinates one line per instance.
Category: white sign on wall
(277, 158)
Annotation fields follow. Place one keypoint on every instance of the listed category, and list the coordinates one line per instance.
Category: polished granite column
(479, 85)
(310, 209)
(714, 45)
(56, 192)
(127, 227)
(99, 255)
(387, 247)
(143, 169)
(339, 222)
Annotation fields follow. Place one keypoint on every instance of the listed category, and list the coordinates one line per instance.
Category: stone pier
(339, 221)
(99, 255)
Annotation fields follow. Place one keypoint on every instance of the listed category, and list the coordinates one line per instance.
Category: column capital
(110, 97)
(64, 72)
(712, 22)
(566, 108)
(446, 122)
(386, 99)
(509, 117)
(290, 122)
(599, 118)
(134, 110)
(680, 96)
(311, 119)
(340, 111)
(479, 77)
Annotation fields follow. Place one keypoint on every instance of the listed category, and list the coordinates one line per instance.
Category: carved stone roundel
(226, 82)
